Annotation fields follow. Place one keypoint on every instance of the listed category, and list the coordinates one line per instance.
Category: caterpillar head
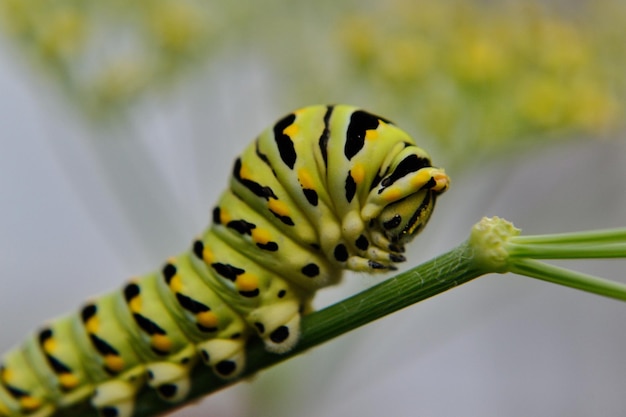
(401, 204)
(402, 220)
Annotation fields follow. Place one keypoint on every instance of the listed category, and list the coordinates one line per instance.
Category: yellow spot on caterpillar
(6, 375)
(244, 172)
(207, 319)
(4, 411)
(291, 130)
(261, 236)
(161, 342)
(305, 179)
(29, 403)
(114, 362)
(392, 194)
(420, 178)
(247, 282)
(371, 134)
(358, 173)
(135, 304)
(49, 345)
(92, 325)
(207, 256)
(224, 216)
(176, 284)
(68, 380)
(278, 207)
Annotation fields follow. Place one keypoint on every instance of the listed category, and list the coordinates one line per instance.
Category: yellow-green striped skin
(327, 188)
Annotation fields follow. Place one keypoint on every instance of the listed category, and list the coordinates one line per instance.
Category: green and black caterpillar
(326, 188)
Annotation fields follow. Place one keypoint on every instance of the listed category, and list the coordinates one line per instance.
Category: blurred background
(119, 122)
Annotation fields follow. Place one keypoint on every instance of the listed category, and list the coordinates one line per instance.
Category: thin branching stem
(594, 236)
(568, 278)
(560, 251)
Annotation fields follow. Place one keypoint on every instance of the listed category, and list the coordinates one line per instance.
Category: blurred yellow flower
(562, 47)
(178, 27)
(593, 108)
(14, 16)
(542, 102)
(489, 74)
(354, 34)
(100, 51)
(479, 60)
(407, 60)
(62, 33)
(119, 81)
(469, 73)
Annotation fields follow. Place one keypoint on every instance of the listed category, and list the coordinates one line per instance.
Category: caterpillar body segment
(326, 188)
(261, 241)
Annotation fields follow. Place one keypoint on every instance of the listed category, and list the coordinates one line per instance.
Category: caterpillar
(325, 189)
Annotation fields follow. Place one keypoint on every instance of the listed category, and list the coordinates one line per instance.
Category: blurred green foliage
(106, 53)
(474, 75)
(478, 75)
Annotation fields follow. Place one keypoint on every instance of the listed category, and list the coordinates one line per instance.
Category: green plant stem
(431, 278)
(595, 237)
(562, 251)
(494, 246)
(562, 276)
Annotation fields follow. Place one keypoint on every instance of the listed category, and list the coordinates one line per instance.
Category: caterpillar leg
(226, 357)
(170, 378)
(278, 325)
(116, 397)
(368, 252)
(359, 264)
